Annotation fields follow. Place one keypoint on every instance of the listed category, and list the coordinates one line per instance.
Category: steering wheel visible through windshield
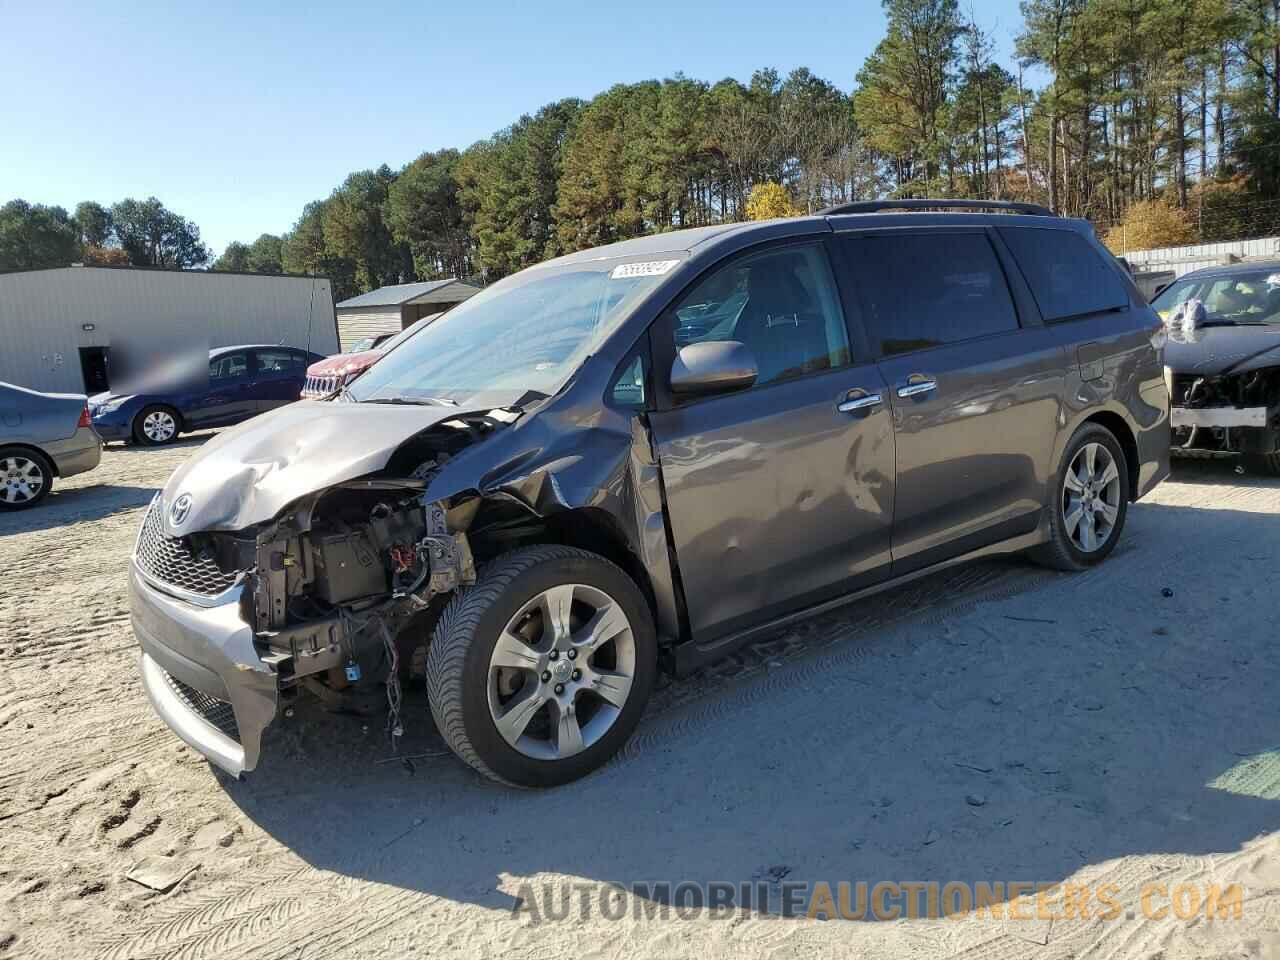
(529, 332)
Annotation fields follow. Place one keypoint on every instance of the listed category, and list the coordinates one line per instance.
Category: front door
(779, 495)
(279, 379)
(229, 397)
(975, 387)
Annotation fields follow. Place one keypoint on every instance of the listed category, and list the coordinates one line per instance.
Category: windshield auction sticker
(648, 268)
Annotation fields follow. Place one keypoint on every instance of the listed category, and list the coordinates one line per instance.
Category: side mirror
(713, 366)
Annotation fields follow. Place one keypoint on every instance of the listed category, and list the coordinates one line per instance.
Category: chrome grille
(216, 712)
(321, 386)
(170, 561)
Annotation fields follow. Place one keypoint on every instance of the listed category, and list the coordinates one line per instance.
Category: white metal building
(57, 325)
(392, 309)
(1180, 260)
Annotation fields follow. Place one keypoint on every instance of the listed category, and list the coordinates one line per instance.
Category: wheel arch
(178, 414)
(1120, 429)
(32, 448)
(500, 524)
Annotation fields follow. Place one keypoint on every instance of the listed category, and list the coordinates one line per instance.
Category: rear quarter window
(1068, 277)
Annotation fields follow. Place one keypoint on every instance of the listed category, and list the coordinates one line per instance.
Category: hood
(344, 363)
(1214, 350)
(248, 474)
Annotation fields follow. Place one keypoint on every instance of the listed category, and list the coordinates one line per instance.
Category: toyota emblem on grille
(181, 507)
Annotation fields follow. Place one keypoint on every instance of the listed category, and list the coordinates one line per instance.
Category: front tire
(26, 477)
(539, 672)
(1088, 502)
(156, 425)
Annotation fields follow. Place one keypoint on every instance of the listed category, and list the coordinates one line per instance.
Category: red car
(332, 373)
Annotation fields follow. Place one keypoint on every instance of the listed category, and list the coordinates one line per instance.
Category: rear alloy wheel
(538, 673)
(1090, 501)
(25, 478)
(155, 426)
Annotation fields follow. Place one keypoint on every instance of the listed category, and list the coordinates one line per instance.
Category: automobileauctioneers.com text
(882, 900)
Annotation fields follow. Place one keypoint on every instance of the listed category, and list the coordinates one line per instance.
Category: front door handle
(917, 384)
(856, 400)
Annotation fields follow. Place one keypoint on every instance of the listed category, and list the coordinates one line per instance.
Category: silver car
(42, 436)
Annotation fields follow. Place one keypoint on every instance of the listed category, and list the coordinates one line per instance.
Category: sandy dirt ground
(992, 724)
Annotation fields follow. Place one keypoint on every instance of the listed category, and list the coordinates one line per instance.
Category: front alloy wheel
(155, 426)
(561, 672)
(539, 672)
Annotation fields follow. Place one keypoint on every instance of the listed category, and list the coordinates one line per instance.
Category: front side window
(228, 367)
(780, 303)
(927, 290)
(1068, 277)
(529, 332)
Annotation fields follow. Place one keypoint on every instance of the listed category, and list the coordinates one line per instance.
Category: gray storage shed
(392, 309)
(57, 326)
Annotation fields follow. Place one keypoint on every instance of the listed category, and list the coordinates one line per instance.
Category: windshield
(529, 332)
(1240, 298)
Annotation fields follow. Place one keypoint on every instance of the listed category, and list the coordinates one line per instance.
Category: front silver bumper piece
(202, 672)
(1218, 416)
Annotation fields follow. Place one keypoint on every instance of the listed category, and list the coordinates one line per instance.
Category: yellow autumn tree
(1150, 224)
(770, 200)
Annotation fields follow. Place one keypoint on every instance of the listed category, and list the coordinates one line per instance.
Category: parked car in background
(243, 382)
(652, 452)
(1223, 361)
(42, 436)
(331, 374)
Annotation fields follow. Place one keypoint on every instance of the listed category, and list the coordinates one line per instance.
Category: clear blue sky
(236, 116)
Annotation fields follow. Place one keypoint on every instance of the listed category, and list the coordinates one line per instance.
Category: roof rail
(876, 206)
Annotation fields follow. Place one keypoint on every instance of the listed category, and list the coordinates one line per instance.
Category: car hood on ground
(249, 473)
(1213, 350)
(344, 363)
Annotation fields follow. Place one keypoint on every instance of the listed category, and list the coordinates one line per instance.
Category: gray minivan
(640, 456)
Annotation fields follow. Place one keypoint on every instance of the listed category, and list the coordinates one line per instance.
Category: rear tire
(156, 425)
(26, 477)
(550, 640)
(1088, 502)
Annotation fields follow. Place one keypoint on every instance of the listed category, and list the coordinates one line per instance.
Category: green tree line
(140, 233)
(1108, 107)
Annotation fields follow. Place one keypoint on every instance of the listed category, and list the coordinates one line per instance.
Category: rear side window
(926, 290)
(1068, 277)
(279, 361)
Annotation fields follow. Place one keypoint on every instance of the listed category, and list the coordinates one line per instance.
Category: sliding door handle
(917, 384)
(857, 400)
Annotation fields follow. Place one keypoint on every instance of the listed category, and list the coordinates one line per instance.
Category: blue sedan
(243, 382)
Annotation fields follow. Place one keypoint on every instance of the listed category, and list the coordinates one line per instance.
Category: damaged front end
(1229, 412)
(341, 585)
